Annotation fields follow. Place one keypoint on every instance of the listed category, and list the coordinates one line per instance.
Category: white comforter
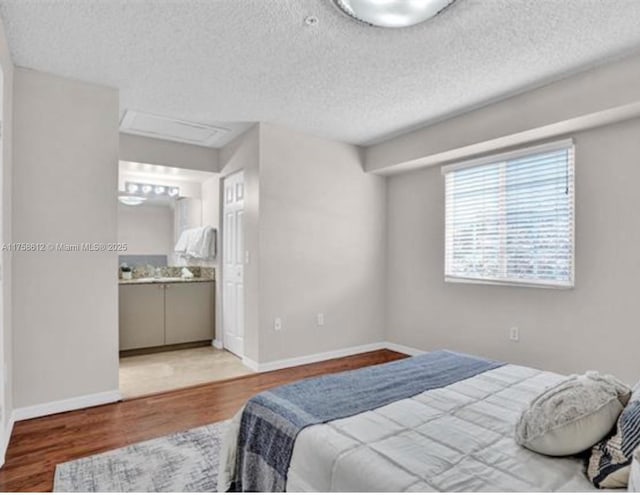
(457, 438)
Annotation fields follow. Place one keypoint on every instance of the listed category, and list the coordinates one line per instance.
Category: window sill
(509, 283)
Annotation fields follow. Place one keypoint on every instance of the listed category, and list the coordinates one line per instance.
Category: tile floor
(164, 371)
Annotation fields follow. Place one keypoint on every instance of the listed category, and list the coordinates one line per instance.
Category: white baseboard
(217, 344)
(312, 358)
(251, 364)
(324, 356)
(55, 407)
(411, 351)
(65, 405)
(6, 439)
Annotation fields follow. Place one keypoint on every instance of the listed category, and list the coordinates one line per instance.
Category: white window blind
(510, 218)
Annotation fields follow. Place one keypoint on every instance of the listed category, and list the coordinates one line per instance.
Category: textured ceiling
(257, 60)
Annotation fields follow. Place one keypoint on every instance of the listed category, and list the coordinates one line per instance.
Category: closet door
(233, 256)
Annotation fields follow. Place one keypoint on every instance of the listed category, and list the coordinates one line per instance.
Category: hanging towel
(200, 245)
(198, 242)
(183, 242)
(187, 240)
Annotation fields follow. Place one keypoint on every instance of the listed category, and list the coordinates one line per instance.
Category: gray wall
(314, 229)
(322, 245)
(211, 202)
(243, 153)
(211, 216)
(65, 186)
(171, 154)
(594, 326)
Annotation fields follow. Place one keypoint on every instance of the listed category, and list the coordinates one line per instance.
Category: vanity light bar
(152, 189)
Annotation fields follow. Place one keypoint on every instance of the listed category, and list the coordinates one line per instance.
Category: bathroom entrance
(168, 219)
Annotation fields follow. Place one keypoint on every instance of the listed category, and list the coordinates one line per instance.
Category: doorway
(168, 219)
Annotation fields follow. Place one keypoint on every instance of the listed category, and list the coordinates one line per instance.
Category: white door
(233, 263)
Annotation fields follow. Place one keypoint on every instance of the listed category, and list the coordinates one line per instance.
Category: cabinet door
(141, 316)
(189, 312)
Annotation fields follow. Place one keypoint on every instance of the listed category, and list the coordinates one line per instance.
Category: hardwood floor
(37, 445)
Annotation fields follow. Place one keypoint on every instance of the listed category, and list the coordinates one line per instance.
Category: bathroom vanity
(157, 312)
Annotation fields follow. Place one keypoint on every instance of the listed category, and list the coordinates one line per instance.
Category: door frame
(5, 427)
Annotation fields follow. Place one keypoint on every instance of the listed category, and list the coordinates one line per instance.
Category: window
(510, 217)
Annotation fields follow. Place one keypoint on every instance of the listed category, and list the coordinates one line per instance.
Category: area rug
(181, 462)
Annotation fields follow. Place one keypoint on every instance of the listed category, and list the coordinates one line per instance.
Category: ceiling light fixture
(151, 189)
(392, 13)
(131, 200)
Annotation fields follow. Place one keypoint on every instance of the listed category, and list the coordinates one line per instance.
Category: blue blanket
(272, 420)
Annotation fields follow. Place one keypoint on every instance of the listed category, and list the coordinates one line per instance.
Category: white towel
(201, 243)
(198, 242)
(183, 242)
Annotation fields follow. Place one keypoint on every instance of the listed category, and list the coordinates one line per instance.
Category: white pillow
(573, 415)
(634, 477)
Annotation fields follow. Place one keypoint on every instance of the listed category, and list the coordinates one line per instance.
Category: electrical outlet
(514, 334)
(277, 324)
(320, 319)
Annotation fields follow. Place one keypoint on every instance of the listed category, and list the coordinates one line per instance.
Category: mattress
(455, 438)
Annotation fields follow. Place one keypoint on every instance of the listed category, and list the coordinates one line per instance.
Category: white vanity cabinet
(189, 312)
(160, 314)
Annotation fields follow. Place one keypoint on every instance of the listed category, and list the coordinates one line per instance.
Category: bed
(442, 421)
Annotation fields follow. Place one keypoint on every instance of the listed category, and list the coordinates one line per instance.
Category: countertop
(164, 280)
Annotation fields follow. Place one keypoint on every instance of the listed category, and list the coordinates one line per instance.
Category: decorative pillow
(634, 477)
(572, 416)
(610, 462)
